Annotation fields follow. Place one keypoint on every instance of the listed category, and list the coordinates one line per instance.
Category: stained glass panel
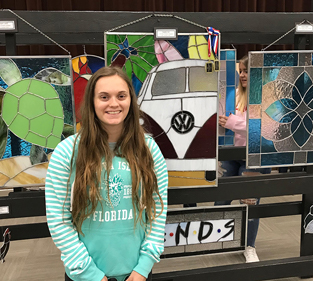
(280, 109)
(205, 230)
(37, 111)
(82, 68)
(178, 97)
(227, 93)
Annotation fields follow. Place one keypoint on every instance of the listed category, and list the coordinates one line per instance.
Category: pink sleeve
(237, 124)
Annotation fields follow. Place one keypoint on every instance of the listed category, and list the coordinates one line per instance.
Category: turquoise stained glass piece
(307, 122)
(300, 134)
(267, 146)
(310, 113)
(254, 135)
(270, 74)
(231, 55)
(280, 59)
(295, 124)
(221, 140)
(223, 55)
(288, 117)
(296, 95)
(277, 110)
(229, 132)
(230, 98)
(230, 72)
(229, 140)
(255, 94)
(303, 83)
(289, 103)
(276, 159)
(310, 157)
(308, 98)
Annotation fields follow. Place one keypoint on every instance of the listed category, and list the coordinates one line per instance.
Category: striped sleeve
(153, 245)
(74, 254)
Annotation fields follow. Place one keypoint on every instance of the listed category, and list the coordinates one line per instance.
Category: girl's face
(243, 75)
(112, 101)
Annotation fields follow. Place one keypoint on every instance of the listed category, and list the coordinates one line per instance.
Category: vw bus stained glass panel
(178, 97)
(280, 110)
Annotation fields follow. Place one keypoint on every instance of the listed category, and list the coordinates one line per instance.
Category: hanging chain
(129, 23)
(283, 36)
(56, 43)
(155, 15)
(190, 22)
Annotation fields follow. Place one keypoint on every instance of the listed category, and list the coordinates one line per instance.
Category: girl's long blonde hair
(241, 99)
(93, 147)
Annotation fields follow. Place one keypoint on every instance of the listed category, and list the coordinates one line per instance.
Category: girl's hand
(222, 120)
(104, 278)
(135, 276)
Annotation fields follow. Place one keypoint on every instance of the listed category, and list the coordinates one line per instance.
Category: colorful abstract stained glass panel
(83, 67)
(280, 109)
(178, 97)
(227, 92)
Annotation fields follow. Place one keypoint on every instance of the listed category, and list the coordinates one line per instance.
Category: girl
(106, 188)
(237, 123)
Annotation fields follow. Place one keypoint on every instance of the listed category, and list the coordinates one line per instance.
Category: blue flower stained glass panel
(280, 109)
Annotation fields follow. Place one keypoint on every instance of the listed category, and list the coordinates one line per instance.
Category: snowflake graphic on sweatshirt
(115, 189)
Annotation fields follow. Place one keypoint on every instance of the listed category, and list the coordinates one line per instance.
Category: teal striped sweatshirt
(111, 245)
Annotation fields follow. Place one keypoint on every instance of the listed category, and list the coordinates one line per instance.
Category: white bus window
(201, 81)
(168, 82)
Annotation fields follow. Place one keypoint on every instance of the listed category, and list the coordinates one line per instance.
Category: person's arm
(73, 252)
(237, 123)
(153, 244)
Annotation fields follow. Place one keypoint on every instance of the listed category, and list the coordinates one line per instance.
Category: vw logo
(183, 122)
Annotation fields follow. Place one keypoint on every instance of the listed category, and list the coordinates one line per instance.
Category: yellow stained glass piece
(75, 63)
(198, 48)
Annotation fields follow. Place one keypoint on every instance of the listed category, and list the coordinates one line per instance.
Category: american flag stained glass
(280, 109)
(178, 97)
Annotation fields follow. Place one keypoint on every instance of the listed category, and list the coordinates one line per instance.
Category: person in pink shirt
(237, 123)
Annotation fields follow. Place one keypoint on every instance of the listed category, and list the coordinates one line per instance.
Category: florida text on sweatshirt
(111, 245)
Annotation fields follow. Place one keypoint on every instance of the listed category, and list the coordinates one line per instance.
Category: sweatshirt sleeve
(77, 261)
(237, 124)
(153, 245)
